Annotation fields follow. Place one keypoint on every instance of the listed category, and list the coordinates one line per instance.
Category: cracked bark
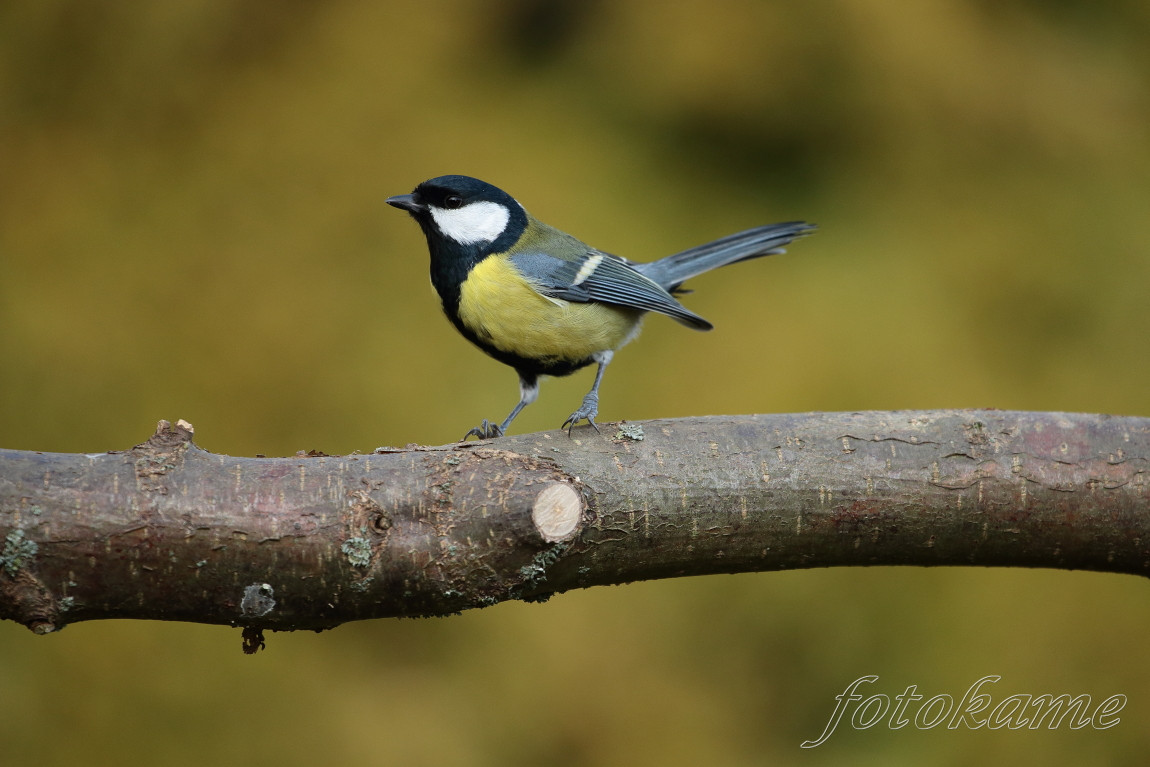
(170, 531)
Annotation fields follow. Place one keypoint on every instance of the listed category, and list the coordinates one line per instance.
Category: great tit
(541, 301)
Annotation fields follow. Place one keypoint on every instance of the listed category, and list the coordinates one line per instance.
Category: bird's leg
(485, 430)
(528, 391)
(590, 407)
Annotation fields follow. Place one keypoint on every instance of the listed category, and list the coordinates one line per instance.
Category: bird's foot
(586, 412)
(485, 430)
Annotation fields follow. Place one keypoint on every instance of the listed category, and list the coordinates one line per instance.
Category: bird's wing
(598, 276)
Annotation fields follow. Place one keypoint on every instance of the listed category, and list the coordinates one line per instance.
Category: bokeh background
(192, 226)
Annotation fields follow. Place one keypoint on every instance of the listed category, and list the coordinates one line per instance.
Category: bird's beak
(406, 202)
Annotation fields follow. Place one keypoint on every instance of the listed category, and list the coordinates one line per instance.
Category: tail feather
(672, 271)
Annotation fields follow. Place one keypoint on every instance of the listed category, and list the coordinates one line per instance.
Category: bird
(543, 302)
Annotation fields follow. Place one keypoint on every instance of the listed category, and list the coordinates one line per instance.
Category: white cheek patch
(477, 222)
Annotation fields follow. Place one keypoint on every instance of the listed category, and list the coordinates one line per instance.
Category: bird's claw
(586, 412)
(485, 430)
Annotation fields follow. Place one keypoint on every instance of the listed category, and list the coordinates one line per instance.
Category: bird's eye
(452, 201)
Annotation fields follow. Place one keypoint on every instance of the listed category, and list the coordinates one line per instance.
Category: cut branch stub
(557, 512)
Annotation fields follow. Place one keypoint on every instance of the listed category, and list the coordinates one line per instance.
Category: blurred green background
(192, 226)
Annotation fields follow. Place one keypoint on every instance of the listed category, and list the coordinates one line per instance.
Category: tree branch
(169, 531)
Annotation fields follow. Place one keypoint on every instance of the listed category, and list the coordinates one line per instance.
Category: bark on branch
(169, 531)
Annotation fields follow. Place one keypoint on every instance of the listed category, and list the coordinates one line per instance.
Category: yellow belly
(504, 311)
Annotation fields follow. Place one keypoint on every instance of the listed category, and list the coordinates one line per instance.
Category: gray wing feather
(611, 281)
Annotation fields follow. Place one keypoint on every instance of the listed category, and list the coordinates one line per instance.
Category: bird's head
(463, 213)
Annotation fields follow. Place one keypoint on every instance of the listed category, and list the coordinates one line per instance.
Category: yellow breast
(502, 309)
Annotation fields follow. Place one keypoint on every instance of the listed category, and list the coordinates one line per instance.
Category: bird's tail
(673, 271)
